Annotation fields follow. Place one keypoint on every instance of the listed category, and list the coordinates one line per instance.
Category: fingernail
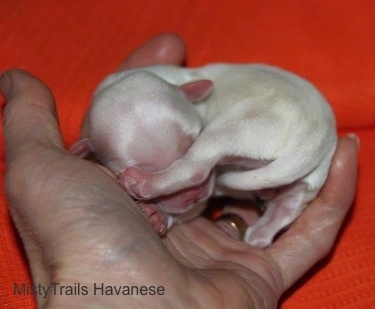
(355, 137)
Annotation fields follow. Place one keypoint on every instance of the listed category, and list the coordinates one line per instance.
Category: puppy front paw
(133, 180)
(157, 218)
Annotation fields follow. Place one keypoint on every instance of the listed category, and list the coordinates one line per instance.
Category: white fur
(263, 128)
(274, 125)
(131, 115)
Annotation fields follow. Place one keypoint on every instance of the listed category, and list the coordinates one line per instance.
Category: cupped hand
(79, 226)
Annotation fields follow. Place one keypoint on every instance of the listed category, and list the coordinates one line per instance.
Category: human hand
(79, 226)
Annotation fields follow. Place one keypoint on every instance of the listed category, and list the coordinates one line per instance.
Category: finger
(312, 236)
(162, 49)
(234, 225)
(29, 115)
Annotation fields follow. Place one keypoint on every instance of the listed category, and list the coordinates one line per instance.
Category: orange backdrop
(72, 45)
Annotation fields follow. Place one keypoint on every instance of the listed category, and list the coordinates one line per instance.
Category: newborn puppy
(266, 131)
(138, 119)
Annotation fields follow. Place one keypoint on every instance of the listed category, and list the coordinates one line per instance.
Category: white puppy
(264, 128)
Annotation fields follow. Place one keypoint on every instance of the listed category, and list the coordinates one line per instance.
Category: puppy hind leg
(282, 210)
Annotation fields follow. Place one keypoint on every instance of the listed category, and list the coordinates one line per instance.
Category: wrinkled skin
(79, 225)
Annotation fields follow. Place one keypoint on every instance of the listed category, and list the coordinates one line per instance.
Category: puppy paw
(156, 217)
(260, 238)
(133, 180)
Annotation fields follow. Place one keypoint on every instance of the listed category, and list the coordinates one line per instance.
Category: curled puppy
(266, 131)
(138, 119)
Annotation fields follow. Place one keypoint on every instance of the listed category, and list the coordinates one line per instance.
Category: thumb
(29, 115)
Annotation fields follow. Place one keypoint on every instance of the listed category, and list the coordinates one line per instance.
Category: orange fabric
(72, 45)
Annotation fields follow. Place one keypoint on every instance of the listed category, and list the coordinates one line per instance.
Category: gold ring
(234, 221)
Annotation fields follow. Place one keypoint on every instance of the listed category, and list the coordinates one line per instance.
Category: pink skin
(176, 203)
(133, 179)
(156, 217)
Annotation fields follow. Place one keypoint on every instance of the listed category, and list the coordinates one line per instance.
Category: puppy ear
(197, 90)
